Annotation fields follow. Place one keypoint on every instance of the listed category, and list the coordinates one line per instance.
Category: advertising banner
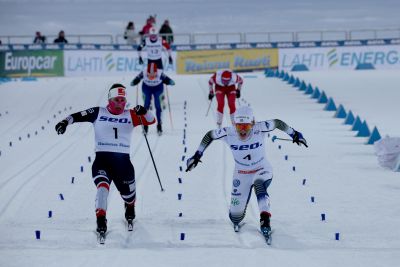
(107, 63)
(41, 63)
(192, 62)
(340, 58)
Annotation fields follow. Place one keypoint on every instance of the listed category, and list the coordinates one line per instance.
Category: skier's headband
(115, 92)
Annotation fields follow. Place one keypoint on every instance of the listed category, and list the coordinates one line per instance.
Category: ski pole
(169, 107)
(137, 94)
(282, 139)
(151, 154)
(209, 106)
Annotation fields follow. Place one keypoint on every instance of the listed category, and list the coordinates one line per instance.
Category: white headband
(114, 92)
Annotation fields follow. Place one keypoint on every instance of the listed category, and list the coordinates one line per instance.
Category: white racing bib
(113, 132)
(248, 154)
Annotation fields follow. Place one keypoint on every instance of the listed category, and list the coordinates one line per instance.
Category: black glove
(170, 60)
(140, 60)
(237, 93)
(298, 138)
(61, 127)
(210, 96)
(135, 81)
(171, 82)
(140, 110)
(192, 162)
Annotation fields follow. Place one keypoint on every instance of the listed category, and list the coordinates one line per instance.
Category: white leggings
(241, 191)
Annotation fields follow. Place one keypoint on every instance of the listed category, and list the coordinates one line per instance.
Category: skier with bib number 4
(252, 169)
(113, 126)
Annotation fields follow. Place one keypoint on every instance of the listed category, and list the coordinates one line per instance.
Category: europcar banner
(340, 58)
(107, 63)
(41, 63)
(208, 61)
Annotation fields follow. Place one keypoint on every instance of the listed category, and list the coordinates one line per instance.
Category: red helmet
(152, 71)
(226, 77)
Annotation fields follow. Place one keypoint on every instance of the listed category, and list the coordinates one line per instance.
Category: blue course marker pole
(322, 216)
(312, 199)
(304, 181)
(337, 236)
(37, 234)
(50, 214)
(182, 236)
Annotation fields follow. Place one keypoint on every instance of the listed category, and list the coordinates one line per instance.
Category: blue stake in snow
(375, 136)
(37, 234)
(72, 180)
(89, 159)
(50, 213)
(286, 157)
(81, 168)
(183, 158)
(179, 196)
(180, 168)
(312, 199)
(304, 181)
(182, 236)
(349, 119)
(294, 168)
(337, 236)
(322, 216)
(10, 143)
(340, 112)
(61, 196)
(279, 147)
(357, 124)
(180, 180)
(323, 98)
(180, 214)
(364, 130)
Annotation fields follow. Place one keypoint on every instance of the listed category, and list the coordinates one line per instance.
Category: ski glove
(237, 93)
(140, 60)
(61, 127)
(298, 138)
(140, 110)
(171, 82)
(135, 81)
(170, 60)
(192, 162)
(210, 96)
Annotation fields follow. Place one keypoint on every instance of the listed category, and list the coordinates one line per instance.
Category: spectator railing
(219, 38)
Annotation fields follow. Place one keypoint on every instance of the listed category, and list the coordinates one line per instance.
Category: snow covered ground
(359, 198)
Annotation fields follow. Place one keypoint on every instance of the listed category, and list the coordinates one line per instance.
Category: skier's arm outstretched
(192, 162)
(88, 115)
(296, 136)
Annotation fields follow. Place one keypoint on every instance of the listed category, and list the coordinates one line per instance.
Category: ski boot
(159, 129)
(101, 228)
(130, 215)
(265, 226)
